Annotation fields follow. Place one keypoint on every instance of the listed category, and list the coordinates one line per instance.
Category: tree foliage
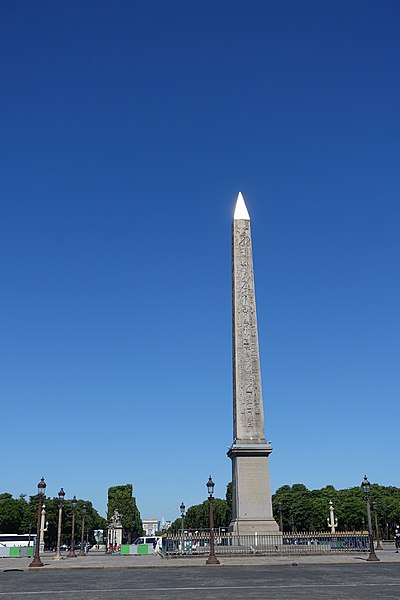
(308, 510)
(198, 516)
(19, 515)
(11, 513)
(120, 498)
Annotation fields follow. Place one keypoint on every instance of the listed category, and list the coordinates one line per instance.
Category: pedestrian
(397, 539)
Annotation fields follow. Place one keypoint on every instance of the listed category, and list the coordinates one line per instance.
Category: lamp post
(378, 543)
(71, 553)
(182, 509)
(332, 522)
(61, 495)
(366, 486)
(43, 527)
(112, 537)
(36, 559)
(82, 551)
(280, 508)
(212, 559)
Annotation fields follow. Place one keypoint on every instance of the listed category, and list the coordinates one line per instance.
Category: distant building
(150, 526)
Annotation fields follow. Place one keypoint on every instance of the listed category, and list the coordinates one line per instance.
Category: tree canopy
(12, 512)
(19, 515)
(198, 516)
(120, 498)
(308, 510)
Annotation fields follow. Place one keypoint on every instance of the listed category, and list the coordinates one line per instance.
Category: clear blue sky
(127, 130)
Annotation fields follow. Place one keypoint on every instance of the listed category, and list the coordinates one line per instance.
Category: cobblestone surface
(97, 560)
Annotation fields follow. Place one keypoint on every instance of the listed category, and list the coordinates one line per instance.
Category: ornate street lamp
(378, 543)
(332, 522)
(71, 553)
(112, 537)
(280, 508)
(182, 509)
(61, 495)
(366, 486)
(41, 489)
(82, 551)
(212, 559)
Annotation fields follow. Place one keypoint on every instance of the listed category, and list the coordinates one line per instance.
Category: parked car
(86, 545)
(296, 541)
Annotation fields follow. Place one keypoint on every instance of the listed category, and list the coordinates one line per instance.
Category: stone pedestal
(114, 533)
(251, 494)
(114, 536)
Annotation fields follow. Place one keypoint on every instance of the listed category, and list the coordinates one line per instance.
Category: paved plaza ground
(362, 581)
(99, 576)
(100, 560)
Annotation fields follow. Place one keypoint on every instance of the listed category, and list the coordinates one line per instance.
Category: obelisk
(251, 494)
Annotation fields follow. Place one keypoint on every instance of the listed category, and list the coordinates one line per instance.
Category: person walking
(397, 538)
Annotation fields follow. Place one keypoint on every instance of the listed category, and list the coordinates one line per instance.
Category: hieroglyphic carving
(248, 410)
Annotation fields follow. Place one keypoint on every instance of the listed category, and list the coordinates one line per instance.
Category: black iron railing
(226, 544)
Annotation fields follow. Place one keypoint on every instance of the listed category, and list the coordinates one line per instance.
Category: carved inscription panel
(248, 410)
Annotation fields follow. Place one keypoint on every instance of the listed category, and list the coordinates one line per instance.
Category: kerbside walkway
(99, 560)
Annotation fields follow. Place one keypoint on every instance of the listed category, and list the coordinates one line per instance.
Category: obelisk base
(244, 527)
(251, 495)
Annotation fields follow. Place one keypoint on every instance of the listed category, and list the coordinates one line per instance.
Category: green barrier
(143, 549)
(14, 551)
(29, 551)
(125, 549)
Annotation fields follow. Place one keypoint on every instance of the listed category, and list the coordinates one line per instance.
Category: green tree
(198, 516)
(17, 515)
(120, 497)
(92, 520)
(30, 515)
(5, 496)
(308, 510)
(12, 513)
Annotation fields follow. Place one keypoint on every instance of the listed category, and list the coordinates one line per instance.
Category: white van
(151, 540)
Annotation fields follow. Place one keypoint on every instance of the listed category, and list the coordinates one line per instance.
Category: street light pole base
(373, 557)
(212, 560)
(36, 562)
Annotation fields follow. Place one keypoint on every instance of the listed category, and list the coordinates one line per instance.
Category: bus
(15, 540)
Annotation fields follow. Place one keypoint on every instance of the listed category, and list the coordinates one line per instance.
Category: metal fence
(227, 544)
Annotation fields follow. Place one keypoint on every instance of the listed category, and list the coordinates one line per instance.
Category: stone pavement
(99, 560)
